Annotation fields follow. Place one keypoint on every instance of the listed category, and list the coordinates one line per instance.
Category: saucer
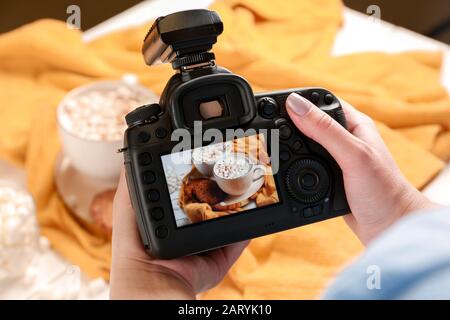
(254, 187)
(77, 189)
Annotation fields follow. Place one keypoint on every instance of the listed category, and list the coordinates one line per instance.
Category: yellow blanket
(274, 45)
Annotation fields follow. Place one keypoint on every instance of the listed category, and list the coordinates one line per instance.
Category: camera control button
(285, 156)
(317, 210)
(285, 131)
(161, 132)
(314, 97)
(157, 213)
(308, 212)
(162, 232)
(268, 110)
(153, 195)
(267, 107)
(297, 146)
(309, 180)
(145, 159)
(149, 177)
(311, 212)
(143, 137)
(329, 99)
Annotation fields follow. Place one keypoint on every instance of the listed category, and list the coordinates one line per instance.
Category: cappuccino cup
(235, 173)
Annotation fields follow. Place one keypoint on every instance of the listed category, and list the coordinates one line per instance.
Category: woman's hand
(135, 275)
(376, 190)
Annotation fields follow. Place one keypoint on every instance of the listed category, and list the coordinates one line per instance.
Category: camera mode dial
(143, 114)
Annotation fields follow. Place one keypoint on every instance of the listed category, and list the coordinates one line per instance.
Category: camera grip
(338, 115)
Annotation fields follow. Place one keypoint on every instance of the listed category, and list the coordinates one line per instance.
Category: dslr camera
(212, 163)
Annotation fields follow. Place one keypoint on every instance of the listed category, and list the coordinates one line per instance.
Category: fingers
(353, 117)
(121, 203)
(212, 266)
(323, 129)
(233, 252)
(363, 127)
(125, 232)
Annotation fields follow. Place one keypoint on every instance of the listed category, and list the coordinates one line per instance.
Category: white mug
(206, 167)
(95, 158)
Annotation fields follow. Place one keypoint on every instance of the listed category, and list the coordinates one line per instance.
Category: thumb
(320, 127)
(125, 236)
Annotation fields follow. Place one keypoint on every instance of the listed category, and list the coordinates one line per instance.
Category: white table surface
(359, 33)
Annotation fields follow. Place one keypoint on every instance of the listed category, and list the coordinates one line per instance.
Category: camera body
(215, 197)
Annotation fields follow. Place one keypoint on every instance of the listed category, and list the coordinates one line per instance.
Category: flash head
(182, 38)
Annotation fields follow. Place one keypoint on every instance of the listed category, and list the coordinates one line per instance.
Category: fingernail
(298, 104)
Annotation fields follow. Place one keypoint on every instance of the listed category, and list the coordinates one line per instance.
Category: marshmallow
(18, 230)
(100, 115)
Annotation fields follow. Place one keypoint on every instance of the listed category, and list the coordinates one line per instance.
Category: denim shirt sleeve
(411, 260)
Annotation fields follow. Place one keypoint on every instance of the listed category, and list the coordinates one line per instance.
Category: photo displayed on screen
(220, 179)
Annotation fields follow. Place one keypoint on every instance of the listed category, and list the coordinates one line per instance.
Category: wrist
(144, 280)
(407, 201)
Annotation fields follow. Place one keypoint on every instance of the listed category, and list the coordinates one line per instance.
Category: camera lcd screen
(220, 180)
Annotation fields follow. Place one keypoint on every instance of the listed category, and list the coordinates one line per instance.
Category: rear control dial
(307, 180)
